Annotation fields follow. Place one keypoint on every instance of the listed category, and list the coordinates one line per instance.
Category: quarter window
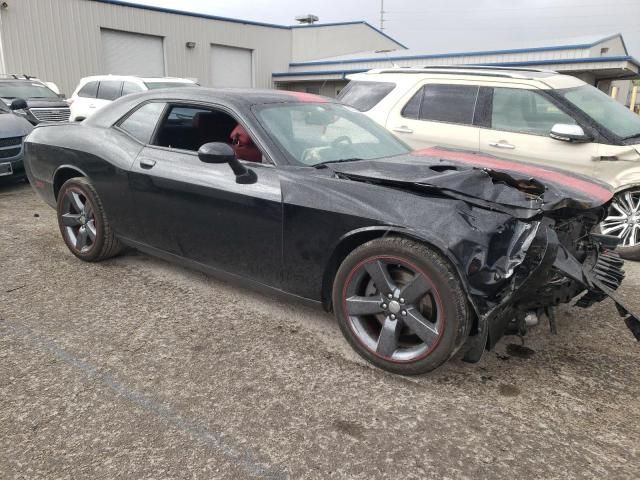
(90, 90)
(525, 111)
(364, 96)
(412, 108)
(443, 103)
(130, 87)
(141, 123)
(109, 90)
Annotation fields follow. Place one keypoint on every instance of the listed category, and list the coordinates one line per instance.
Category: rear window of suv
(364, 96)
(443, 103)
(90, 90)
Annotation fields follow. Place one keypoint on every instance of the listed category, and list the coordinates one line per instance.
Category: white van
(93, 93)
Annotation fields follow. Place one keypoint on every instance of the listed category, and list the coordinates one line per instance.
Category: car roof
(543, 78)
(135, 77)
(237, 98)
(19, 78)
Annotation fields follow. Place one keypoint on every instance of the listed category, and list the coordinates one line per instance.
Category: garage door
(230, 67)
(126, 53)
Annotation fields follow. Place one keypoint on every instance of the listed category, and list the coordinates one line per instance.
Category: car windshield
(604, 110)
(317, 133)
(156, 85)
(25, 89)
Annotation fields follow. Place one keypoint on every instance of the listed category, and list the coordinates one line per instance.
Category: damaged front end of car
(523, 241)
(545, 265)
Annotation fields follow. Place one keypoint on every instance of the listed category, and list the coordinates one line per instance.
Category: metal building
(64, 40)
(599, 60)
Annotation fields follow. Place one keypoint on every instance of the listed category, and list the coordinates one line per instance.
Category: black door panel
(198, 211)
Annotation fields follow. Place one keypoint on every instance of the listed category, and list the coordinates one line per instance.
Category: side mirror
(569, 133)
(18, 104)
(218, 152)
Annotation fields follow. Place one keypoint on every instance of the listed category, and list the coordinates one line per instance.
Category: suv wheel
(623, 221)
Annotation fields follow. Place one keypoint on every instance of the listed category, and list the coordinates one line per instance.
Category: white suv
(535, 116)
(93, 93)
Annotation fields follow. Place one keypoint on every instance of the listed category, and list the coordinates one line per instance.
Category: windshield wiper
(342, 160)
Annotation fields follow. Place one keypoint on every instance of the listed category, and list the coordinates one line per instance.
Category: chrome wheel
(393, 309)
(78, 220)
(624, 218)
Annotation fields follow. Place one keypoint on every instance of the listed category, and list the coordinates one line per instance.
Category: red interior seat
(243, 145)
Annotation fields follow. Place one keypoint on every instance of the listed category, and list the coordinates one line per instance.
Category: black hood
(522, 190)
(41, 102)
(13, 126)
(46, 103)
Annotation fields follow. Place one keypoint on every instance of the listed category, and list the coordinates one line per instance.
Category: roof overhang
(623, 67)
(603, 68)
(320, 76)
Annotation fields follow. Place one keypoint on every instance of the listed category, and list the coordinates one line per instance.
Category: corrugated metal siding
(125, 53)
(615, 46)
(59, 40)
(230, 67)
(319, 42)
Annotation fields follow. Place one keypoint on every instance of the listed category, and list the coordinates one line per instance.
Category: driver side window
(188, 127)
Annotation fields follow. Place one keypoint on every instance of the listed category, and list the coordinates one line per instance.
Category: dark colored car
(33, 100)
(419, 254)
(13, 129)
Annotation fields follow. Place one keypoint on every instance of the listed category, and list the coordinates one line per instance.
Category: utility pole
(382, 15)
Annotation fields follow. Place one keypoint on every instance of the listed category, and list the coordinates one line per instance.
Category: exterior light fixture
(190, 44)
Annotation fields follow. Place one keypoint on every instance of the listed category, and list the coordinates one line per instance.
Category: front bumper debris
(601, 280)
(547, 257)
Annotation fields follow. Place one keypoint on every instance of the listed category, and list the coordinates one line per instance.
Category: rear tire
(83, 223)
(407, 336)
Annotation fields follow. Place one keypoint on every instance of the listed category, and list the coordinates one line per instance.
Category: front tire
(83, 222)
(400, 305)
(623, 221)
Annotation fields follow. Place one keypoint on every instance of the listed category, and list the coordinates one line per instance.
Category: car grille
(8, 142)
(9, 152)
(51, 114)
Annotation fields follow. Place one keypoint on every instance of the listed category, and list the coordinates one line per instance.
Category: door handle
(502, 144)
(147, 163)
(402, 129)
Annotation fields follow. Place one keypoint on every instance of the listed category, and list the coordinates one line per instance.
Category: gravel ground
(135, 368)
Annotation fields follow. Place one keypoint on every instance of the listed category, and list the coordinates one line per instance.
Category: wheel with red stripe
(400, 305)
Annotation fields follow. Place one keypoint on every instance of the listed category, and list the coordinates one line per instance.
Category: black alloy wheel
(83, 223)
(400, 305)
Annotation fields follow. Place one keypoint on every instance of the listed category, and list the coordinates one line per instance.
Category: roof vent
(308, 19)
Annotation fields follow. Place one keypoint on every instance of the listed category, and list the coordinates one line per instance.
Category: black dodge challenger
(419, 254)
